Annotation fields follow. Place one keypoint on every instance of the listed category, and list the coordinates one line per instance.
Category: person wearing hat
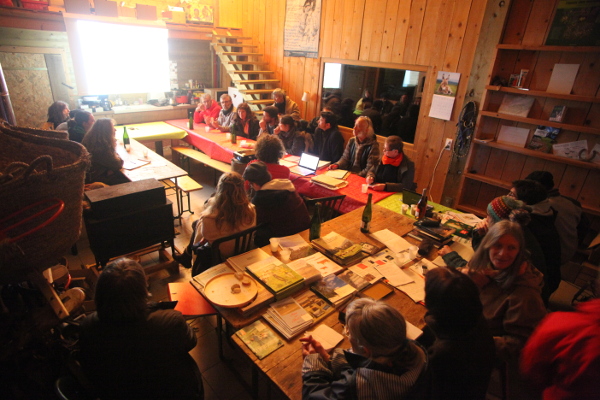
(278, 206)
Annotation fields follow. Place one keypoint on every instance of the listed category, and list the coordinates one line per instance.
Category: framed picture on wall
(198, 13)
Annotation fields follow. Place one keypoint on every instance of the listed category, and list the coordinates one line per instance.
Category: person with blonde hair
(382, 364)
(229, 211)
(101, 143)
(362, 151)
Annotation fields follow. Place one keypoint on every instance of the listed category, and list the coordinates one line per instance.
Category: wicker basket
(35, 168)
(42, 132)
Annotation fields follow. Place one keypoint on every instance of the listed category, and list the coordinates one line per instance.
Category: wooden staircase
(247, 71)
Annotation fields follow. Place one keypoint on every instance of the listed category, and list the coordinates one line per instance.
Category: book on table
(297, 246)
(354, 280)
(288, 317)
(329, 182)
(333, 289)
(276, 276)
(339, 249)
(260, 339)
(241, 262)
(306, 270)
(439, 233)
(317, 307)
(462, 230)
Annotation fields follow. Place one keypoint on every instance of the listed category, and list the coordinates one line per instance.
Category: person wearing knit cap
(279, 209)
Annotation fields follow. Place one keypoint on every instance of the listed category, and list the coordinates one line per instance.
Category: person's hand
(480, 277)
(276, 130)
(444, 250)
(482, 226)
(378, 187)
(200, 107)
(263, 125)
(333, 166)
(370, 179)
(312, 346)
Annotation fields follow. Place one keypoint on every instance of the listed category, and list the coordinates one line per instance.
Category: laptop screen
(308, 161)
(409, 197)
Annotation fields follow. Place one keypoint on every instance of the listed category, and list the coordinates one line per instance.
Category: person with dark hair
(390, 121)
(226, 116)
(347, 116)
(269, 121)
(362, 151)
(132, 350)
(407, 125)
(328, 141)
(279, 208)
(81, 123)
(395, 172)
(382, 364)
(269, 149)
(462, 351)
(294, 141)
(101, 143)
(207, 110)
(374, 115)
(58, 112)
(246, 124)
(387, 105)
(285, 105)
(313, 125)
(542, 226)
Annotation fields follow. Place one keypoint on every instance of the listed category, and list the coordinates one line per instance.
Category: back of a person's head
(288, 120)
(508, 208)
(452, 299)
(531, 192)
(272, 111)
(543, 177)
(269, 149)
(100, 136)
(81, 117)
(121, 295)
(257, 173)
(378, 105)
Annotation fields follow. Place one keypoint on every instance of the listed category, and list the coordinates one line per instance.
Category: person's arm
(372, 160)
(214, 111)
(326, 380)
(344, 161)
(253, 129)
(405, 179)
(453, 259)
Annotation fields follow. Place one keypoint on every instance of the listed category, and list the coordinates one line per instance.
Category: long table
(155, 131)
(283, 367)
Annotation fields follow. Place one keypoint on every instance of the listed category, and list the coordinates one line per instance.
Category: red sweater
(212, 112)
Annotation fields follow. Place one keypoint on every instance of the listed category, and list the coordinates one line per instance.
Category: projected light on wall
(115, 58)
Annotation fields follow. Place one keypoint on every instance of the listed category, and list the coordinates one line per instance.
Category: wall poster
(302, 26)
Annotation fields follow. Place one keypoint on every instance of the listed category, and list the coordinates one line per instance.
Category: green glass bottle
(233, 133)
(126, 139)
(365, 224)
(315, 224)
(191, 121)
(422, 206)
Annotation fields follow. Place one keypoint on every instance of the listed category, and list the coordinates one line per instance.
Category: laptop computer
(307, 165)
(409, 197)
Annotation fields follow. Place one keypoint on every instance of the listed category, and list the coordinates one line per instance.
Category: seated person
(278, 205)
(360, 104)
(246, 124)
(58, 113)
(269, 149)
(285, 105)
(362, 151)
(347, 116)
(396, 171)
(460, 346)
(269, 121)
(226, 115)
(312, 126)
(131, 350)
(207, 110)
(328, 141)
(374, 114)
(382, 364)
(81, 123)
(294, 141)
(101, 143)
(229, 211)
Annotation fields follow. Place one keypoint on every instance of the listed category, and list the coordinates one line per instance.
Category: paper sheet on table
(330, 338)
(394, 275)
(421, 267)
(441, 107)
(416, 289)
(469, 219)
(393, 241)
(464, 250)
(412, 332)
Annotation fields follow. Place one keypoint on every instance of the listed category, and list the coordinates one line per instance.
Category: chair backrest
(330, 206)
(243, 242)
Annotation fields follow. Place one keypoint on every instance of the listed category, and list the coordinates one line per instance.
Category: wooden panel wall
(441, 35)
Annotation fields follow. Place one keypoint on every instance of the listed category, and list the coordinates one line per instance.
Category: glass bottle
(365, 224)
(315, 224)
(126, 139)
(421, 206)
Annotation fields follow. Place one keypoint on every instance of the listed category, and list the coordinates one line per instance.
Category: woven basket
(42, 132)
(35, 168)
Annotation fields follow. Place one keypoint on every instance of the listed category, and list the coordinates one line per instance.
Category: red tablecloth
(212, 143)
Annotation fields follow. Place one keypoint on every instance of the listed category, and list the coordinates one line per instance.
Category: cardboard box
(106, 8)
(78, 6)
(146, 12)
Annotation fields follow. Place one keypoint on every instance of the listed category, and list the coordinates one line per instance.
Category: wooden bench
(196, 155)
(186, 185)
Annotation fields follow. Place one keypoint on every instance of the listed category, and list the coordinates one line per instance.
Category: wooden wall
(441, 35)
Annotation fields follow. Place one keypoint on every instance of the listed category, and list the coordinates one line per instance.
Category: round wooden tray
(218, 291)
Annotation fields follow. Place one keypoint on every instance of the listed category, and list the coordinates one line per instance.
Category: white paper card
(394, 242)
(562, 79)
(571, 149)
(394, 275)
(412, 332)
(441, 107)
(513, 136)
(330, 338)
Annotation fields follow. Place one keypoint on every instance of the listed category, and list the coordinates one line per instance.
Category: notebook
(307, 165)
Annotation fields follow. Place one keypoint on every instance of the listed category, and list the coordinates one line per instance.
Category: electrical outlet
(448, 144)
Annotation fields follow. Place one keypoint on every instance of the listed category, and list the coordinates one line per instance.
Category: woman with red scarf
(396, 171)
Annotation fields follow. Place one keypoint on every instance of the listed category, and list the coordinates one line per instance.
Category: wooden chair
(330, 206)
(243, 242)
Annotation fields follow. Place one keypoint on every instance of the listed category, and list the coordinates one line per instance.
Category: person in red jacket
(206, 110)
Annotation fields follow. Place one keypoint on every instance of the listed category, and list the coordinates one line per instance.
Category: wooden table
(155, 131)
(283, 367)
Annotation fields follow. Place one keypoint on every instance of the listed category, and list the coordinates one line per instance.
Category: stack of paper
(288, 317)
(297, 246)
(334, 290)
(329, 182)
(306, 270)
(242, 261)
(314, 305)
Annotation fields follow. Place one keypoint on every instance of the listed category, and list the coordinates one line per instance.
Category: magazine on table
(260, 339)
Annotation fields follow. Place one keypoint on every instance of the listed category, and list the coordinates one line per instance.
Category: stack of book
(432, 229)
(297, 246)
(260, 339)
(288, 317)
(314, 305)
(334, 290)
(339, 249)
(277, 278)
(329, 182)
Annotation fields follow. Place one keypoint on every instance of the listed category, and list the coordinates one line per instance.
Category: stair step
(256, 91)
(239, 54)
(255, 81)
(231, 37)
(262, 101)
(249, 46)
(251, 72)
(246, 63)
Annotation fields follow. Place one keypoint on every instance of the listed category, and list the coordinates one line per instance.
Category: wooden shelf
(488, 180)
(540, 93)
(472, 209)
(572, 49)
(538, 154)
(533, 121)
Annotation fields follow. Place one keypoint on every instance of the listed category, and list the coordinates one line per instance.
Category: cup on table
(413, 209)
(145, 153)
(228, 135)
(412, 252)
(364, 188)
(285, 255)
(274, 245)
(404, 208)
(207, 128)
(243, 143)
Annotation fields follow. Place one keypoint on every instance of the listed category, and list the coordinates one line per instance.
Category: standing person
(285, 105)
(101, 143)
(395, 172)
(293, 140)
(58, 113)
(362, 151)
(246, 123)
(462, 351)
(269, 121)
(279, 208)
(229, 211)
(130, 350)
(382, 364)
(226, 115)
(328, 141)
(81, 123)
(207, 110)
